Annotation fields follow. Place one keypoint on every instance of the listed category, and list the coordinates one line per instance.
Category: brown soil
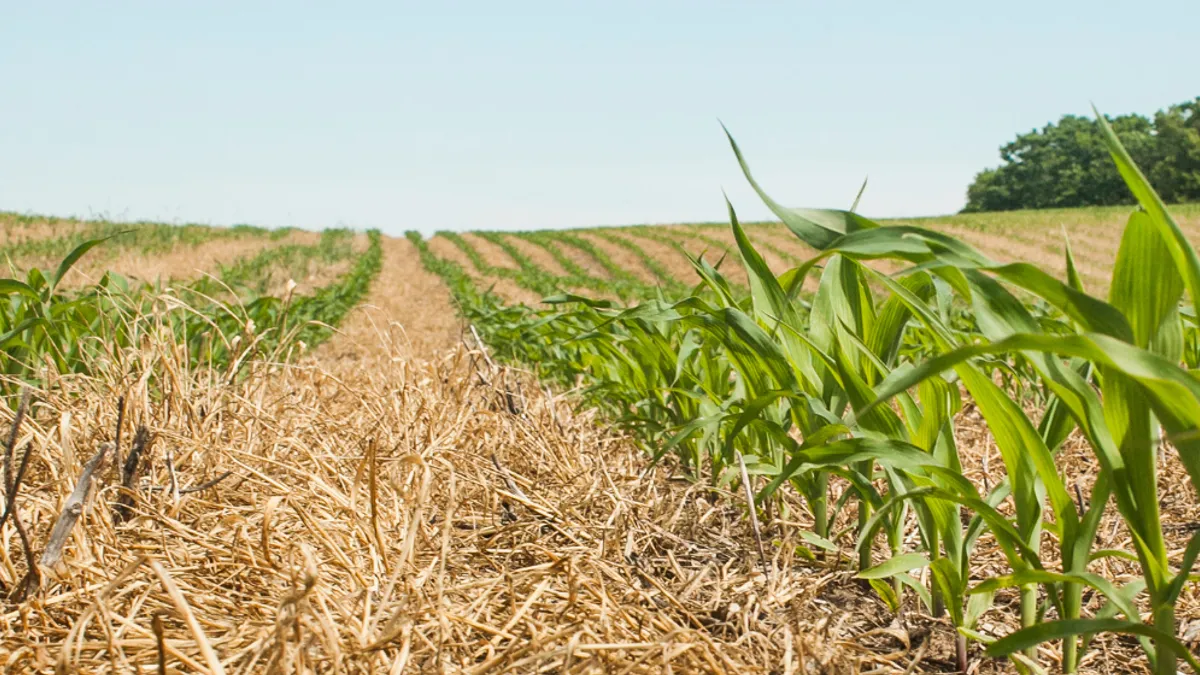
(444, 248)
(12, 232)
(700, 240)
(583, 259)
(181, 264)
(1005, 249)
(668, 256)
(505, 288)
(623, 257)
(540, 256)
(493, 254)
(408, 313)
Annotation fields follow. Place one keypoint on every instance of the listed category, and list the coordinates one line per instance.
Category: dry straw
(385, 517)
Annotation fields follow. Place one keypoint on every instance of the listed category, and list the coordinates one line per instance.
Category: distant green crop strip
(577, 275)
(73, 331)
(621, 283)
(527, 276)
(145, 237)
(670, 284)
(654, 234)
(255, 274)
(530, 276)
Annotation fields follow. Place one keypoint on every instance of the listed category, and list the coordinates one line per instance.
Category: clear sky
(521, 115)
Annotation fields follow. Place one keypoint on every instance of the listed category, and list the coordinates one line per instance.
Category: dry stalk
(762, 554)
(73, 507)
(129, 473)
(10, 448)
(185, 612)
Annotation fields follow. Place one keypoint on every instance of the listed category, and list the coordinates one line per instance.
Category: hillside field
(293, 452)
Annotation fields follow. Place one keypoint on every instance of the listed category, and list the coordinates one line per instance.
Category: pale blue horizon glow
(526, 115)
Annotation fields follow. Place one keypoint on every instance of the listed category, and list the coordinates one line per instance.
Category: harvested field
(404, 495)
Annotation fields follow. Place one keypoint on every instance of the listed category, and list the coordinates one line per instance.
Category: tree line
(1067, 164)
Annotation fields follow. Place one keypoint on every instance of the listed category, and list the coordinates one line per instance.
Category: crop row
(531, 276)
(146, 238)
(77, 331)
(857, 393)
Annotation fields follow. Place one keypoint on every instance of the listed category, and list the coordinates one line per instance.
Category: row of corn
(855, 392)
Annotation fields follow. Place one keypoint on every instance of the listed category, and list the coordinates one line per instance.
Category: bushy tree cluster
(1067, 164)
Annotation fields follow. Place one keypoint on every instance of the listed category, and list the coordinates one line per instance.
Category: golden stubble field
(394, 501)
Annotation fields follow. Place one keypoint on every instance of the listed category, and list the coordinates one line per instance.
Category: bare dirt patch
(540, 256)
(182, 263)
(444, 248)
(505, 288)
(491, 253)
(409, 312)
(623, 257)
(583, 259)
(668, 256)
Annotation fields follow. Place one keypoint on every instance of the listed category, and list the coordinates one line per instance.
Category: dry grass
(14, 231)
(184, 262)
(396, 503)
(367, 526)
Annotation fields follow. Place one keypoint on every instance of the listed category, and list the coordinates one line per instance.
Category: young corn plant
(861, 385)
(1133, 343)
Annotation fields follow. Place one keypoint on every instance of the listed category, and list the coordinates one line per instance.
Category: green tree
(1066, 164)
(1177, 172)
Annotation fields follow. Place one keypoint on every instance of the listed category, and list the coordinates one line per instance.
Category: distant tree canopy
(1066, 164)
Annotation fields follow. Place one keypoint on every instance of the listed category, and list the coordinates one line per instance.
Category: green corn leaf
(848, 452)
(858, 197)
(918, 588)
(1185, 568)
(977, 604)
(887, 593)
(1073, 278)
(1029, 464)
(1057, 630)
(950, 584)
(818, 542)
(74, 256)
(1150, 301)
(818, 228)
(1187, 262)
(1044, 577)
(771, 301)
(1113, 553)
(10, 286)
(905, 562)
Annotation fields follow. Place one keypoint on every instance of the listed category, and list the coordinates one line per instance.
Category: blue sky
(521, 115)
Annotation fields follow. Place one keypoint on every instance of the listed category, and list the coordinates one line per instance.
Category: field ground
(399, 503)
(1028, 236)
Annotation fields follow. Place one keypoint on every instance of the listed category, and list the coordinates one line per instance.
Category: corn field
(818, 444)
(848, 396)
